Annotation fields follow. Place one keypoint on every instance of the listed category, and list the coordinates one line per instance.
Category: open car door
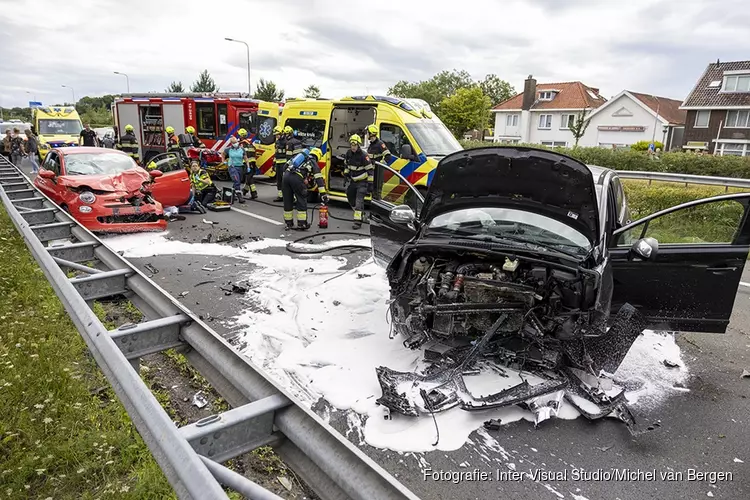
(394, 202)
(689, 283)
(173, 188)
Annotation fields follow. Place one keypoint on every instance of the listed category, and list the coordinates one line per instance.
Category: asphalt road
(704, 430)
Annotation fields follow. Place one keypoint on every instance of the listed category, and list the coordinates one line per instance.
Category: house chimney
(529, 93)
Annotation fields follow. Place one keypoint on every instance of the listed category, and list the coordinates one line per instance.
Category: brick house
(541, 113)
(718, 110)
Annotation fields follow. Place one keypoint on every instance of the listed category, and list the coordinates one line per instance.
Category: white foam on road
(321, 333)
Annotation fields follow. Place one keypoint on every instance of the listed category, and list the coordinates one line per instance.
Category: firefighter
(294, 144)
(358, 168)
(173, 142)
(128, 144)
(204, 190)
(301, 172)
(197, 143)
(236, 160)
(280, 160)
(249, 183)
(377, 150)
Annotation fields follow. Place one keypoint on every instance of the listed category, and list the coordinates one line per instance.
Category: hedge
(624, 159)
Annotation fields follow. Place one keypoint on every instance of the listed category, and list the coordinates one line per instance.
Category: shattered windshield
(516, 226)
(97, 164)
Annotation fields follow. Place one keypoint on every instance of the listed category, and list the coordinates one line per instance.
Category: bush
(678, 163)
(643, 145)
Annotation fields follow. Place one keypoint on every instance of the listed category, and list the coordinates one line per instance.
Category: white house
(542, 113)
(630, 117)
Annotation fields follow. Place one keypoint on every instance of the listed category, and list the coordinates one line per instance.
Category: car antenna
(428, 404)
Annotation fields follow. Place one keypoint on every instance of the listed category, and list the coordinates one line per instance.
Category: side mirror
(155, 174)
(402, 214)
(645, 248)
(47, 174)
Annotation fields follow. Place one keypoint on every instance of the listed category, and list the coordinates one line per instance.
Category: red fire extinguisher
(323, 217)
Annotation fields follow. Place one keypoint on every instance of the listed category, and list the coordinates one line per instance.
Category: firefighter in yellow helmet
(249, 174)
(377, 149)
(190, 130)
(301, 171)
(358, 168)
(280, 159)
(128, 144)
(173, 142)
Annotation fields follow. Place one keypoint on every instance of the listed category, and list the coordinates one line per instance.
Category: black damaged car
(528, 259)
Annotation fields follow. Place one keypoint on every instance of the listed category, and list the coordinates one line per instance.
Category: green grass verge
(63, 434)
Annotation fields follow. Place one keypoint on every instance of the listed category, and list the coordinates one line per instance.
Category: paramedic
(236, 160)
(301, 172)
(359, 169)
(203, 187)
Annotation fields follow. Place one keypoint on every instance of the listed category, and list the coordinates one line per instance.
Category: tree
(578, 126)
(496, 89)
(266, 91)
(465, 110)
(204, 83)
(313, 92)
(175, 87)
(434, 90)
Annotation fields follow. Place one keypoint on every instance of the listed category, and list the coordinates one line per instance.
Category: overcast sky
(652, 46)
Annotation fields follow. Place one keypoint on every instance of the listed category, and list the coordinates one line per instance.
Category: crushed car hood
(540, 181)
(127, 181)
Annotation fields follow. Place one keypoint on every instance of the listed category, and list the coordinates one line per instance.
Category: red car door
(49, 186)
(173, 188)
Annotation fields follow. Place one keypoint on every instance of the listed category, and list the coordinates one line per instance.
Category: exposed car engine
(522, 313)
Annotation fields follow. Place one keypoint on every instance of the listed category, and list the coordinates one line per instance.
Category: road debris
(207, 268)
(206, 239)
(182, 294)
(604, 448)
(745, 374)
(493, 424)
(227, 238)
(150, 268)
(234, 288)
(199, 399)
(205, 282)
(670, 364)
(209, 222)
(738, 461)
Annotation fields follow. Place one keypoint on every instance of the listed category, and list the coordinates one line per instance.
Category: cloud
(654, 46)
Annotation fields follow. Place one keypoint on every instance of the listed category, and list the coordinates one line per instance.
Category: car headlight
(87, 197)
(85, 209)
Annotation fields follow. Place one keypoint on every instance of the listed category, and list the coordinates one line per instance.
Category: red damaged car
(106, 191)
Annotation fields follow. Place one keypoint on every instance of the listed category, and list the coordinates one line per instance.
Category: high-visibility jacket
(307, 168)
(200, 180)
(129, 144)
(280, 157)
(173, 143)
(358, 166)
(378, 151)
(294, 146)
(249, 148)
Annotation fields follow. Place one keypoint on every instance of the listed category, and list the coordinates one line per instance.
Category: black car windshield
(513, 226)
(434, 138)
(60, 127)
(97, 164)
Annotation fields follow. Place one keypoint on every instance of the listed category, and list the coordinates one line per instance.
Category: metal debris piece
(205, 282)
(226, 238)
(362, 275)
(745, 374)
(605, 448)
(150, 268)
(209, 222)
(199, 399)
(234, 289)
(182, 294)
(285, 482)
(670, 364)
(206, 239)
(207, 268)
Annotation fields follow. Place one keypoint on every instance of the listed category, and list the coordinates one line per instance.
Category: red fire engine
(215, 117)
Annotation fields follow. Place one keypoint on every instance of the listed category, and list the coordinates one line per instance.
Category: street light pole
(127, 80)
(249, 92)
(73, 91)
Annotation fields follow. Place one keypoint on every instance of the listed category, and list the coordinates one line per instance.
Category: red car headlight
(87, 197)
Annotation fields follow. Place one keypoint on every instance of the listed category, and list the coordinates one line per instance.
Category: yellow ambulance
(416, 138)
(57, 126)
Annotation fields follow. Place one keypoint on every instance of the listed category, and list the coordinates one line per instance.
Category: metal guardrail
(263, 413)
(726, 182)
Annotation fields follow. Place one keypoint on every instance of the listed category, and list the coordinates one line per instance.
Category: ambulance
(416, 138)
(57, 126)
(215, 116)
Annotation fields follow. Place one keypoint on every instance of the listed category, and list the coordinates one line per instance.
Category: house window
(555, 144)
(546, 96)
(567, 121)
(731, 149)
(736, 83)
(738, 119)
(545, 121)
(511, 121)
(701, 119)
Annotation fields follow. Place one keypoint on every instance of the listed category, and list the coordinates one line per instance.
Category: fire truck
(215, 116)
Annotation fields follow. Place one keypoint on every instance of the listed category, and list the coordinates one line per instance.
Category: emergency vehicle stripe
(222, 144)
